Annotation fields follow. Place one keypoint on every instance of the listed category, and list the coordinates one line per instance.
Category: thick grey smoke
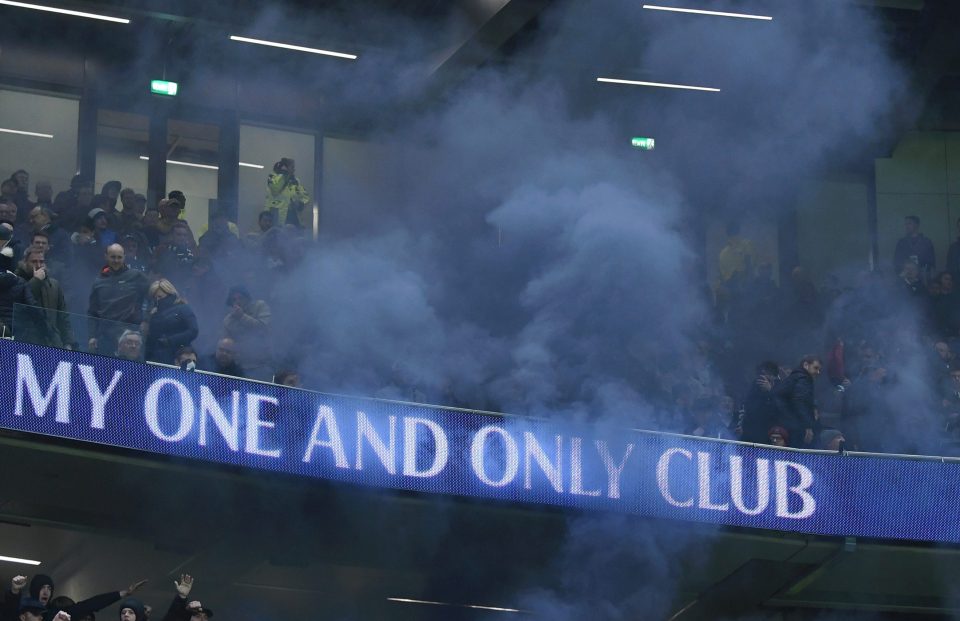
(530, 262)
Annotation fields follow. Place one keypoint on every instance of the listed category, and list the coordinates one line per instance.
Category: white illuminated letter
(386, 452)
(152, 413)
(576, 469)
(478, 450)
(703, 479)
(783, 489)
(614, 470)
(59, 385)
(255, 423)
(441, 452)
(333, 442)
(663, 476)
(97, 397)
(532, 451)
(763, 486)
(229, 427)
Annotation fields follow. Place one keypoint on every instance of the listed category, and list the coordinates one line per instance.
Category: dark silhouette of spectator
(219, 241)
(914, 246)
(116, 298)
(760, 405)
(170, 210)
(174, 259)
(43, 192)
(22, 193)
(71, 207)
(172, 324)
(248, 324)
(795, 399)
(60, 249)
(111, 192)
(223, 360)
(287, 377)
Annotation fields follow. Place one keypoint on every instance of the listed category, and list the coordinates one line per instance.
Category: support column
(157, 152)
(228, 177)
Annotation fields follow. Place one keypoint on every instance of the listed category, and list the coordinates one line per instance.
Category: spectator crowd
(35, 601)
(141, 283)
(788, 364)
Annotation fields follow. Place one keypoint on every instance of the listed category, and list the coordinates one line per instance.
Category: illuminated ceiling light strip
(659, 85)
(50, 9)
(23, 133)
(298, 48)
(406, 600)
(494, 608)
(655, 7)
(13, 559)
(207, 166)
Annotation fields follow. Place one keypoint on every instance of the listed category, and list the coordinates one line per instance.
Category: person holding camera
(286, 197)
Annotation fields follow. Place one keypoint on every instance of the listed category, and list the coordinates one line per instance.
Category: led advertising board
(428, 449)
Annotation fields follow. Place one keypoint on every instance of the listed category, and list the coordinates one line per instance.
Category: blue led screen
(437, 450)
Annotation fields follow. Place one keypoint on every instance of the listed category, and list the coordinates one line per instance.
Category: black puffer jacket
(13, 290)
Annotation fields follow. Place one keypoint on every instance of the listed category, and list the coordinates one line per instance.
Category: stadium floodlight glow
(288, 46)
(50, 9)
(23, 561)
(20, 132)
(656, 7)
(687, 87)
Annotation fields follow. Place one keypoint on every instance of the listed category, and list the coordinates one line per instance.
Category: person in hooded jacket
(172, 323)
(41, 590)
(13, 290)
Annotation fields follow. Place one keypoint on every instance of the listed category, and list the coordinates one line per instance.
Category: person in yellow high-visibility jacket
(286, 198)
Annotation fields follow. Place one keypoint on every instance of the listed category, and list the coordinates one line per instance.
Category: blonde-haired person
(172, 323)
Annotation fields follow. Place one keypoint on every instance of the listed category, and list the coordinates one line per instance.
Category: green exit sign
(163, 87)
(643, 143)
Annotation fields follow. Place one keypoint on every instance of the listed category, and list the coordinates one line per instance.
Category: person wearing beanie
(13, 290)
